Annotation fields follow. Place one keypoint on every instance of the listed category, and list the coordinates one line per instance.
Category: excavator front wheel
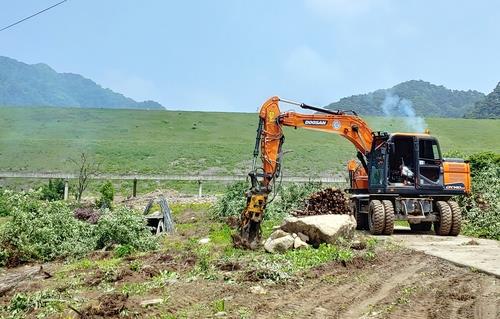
(376, 217)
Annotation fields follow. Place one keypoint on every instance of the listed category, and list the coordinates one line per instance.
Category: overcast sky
(231, 55)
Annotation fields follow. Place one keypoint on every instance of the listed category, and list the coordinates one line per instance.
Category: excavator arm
(269, 143)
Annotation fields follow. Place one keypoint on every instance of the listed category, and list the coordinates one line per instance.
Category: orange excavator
(398, 176)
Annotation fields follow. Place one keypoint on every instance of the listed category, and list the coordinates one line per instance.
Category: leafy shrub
(52, 191)
(107, 195)
(483, 160)
(123, 226)
(482, 207)
(42, 230)
(4, 203)
(231, 203)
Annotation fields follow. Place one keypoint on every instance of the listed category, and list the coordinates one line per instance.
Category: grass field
(171, 142)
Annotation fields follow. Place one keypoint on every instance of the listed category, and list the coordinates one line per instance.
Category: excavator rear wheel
(376, 217)
(456, 218)
(389, 217)
(443, 226)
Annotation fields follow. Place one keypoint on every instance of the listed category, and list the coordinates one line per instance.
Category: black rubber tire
(443, 226)
(423, 226)
(389, 217)
(376, 217)
(361, 219)
(456, 218)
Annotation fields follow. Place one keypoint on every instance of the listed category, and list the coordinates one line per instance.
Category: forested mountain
(23, 84)
(428, 100)
(487, 108)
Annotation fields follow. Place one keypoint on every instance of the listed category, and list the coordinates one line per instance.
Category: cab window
(429, 149)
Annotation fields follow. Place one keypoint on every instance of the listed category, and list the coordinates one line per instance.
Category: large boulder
(279, 244)
(321, 228)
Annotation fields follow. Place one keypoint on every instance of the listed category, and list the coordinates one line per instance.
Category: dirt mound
(109, 305)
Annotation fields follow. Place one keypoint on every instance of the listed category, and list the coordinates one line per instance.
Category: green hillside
(43, 139)
(428, 100)
(23, 84)
(487, 108)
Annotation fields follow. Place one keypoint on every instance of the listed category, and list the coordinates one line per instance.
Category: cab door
(429, 164)
(377, 177)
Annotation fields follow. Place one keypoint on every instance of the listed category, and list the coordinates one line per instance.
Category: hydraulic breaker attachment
(249, 229)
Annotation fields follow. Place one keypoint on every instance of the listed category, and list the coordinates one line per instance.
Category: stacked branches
(325, 202)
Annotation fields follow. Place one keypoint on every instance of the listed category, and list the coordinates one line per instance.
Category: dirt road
(480, 254)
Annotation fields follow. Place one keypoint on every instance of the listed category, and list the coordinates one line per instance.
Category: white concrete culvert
(480, 254)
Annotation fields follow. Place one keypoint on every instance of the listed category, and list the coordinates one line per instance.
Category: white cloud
(342, 8)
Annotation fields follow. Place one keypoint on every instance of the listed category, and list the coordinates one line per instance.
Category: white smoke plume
(395, 106)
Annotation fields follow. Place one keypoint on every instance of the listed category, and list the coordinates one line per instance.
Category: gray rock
(299, 243)
(321, 228)
(303, 237)
(277, 234)
(280, 244)
(220, 314)
(150, 302)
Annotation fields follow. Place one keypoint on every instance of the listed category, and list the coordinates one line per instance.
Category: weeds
(219, 305)
(279, 267)
(22, 303)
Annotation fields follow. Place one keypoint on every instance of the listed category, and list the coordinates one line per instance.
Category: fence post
(200, 188)
(66, 189)
(134, 190)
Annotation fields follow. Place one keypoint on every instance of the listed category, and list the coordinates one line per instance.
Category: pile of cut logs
(324, 202)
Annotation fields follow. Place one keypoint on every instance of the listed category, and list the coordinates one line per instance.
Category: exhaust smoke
(395, 106)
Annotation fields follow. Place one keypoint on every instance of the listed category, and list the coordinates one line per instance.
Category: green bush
(4, 203)
(482, 207)
(231, 203)
(483, 160)
(52, 191)
(107, 195)
(42, 230)
(123, 226)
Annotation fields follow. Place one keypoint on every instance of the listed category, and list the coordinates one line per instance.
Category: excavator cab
(410, 164)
